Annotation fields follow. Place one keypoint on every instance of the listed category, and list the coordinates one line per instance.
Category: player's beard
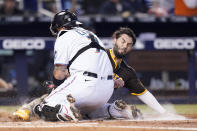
(116, 53)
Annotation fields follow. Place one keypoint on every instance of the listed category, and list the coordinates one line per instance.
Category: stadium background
(169, 73)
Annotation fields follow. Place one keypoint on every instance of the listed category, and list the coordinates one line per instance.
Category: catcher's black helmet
(64, 18)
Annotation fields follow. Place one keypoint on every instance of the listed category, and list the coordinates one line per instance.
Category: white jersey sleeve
(62, 49)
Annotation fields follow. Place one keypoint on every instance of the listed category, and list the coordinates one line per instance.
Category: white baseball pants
(90, 93)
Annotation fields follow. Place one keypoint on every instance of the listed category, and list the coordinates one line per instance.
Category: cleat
(74, 110)
(76, 113)
(70, 98)
(69, 112)
(22, 114)
(136, 113)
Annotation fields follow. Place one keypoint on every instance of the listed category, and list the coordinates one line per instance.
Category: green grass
(8, 108)
(179, 108)
(186, 109)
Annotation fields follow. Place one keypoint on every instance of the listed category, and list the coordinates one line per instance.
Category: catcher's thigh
(90, 93)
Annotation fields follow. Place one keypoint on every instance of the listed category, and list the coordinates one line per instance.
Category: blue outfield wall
(46, 43)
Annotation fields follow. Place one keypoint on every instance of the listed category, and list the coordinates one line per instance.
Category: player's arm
(118, 81)
(61, 59)
(60, 73)
(137, 88)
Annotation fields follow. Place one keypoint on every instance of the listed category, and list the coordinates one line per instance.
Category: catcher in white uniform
(87, 86)
(82, 53)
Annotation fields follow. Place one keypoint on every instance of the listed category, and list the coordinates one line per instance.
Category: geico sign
(174, 44)
(19, 44)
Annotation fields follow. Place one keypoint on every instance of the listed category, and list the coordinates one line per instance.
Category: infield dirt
(186, 123)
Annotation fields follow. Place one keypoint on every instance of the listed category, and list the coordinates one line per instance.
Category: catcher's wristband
(57, 82)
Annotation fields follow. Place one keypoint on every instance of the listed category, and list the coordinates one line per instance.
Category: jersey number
(88, 35)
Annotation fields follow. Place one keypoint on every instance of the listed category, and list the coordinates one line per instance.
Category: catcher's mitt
(49, 86)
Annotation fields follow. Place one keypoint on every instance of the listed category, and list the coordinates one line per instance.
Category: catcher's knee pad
(65, 111)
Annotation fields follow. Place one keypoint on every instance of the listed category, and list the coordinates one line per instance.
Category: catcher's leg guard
(37, 110)
(46, 112)
(62, 112)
